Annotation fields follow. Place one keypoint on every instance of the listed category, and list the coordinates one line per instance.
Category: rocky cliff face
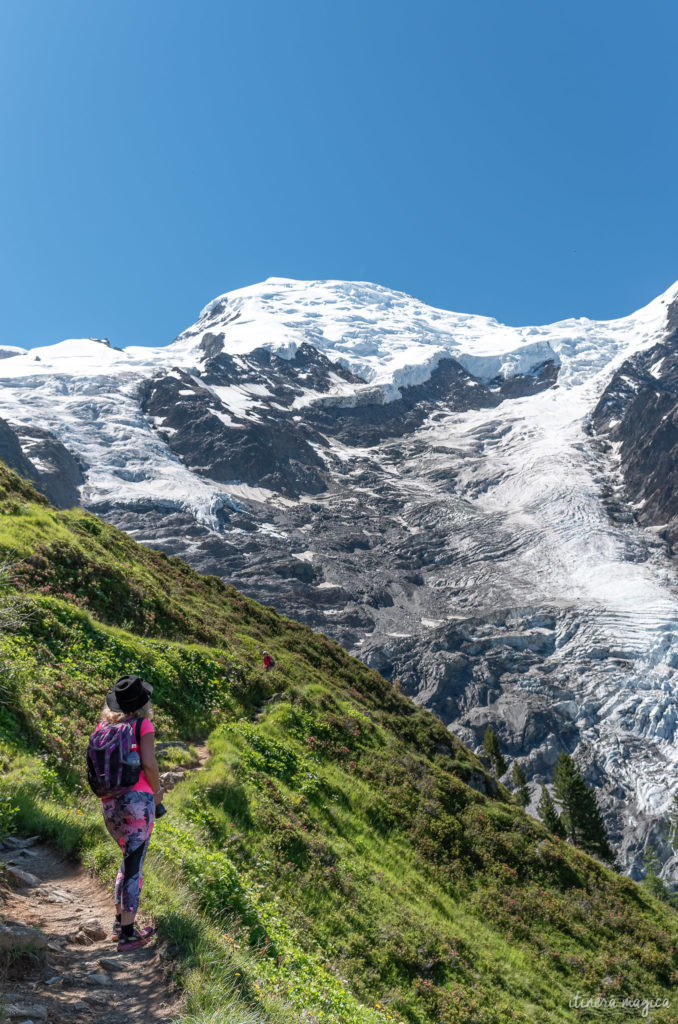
(40, 457)
(636, 421)
(438, 492)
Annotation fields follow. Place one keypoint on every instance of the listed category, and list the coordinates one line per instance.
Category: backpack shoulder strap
(137, 732)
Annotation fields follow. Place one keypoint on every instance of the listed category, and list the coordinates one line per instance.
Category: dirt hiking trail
(57, 961)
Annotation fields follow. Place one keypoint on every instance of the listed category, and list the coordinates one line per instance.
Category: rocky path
(70, 970)
(57, 962)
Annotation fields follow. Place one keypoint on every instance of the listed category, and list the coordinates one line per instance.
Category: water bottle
(133, 761)
(131, 769)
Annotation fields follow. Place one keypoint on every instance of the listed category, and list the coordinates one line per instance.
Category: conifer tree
(519, 779)
(580, 814)
(564, 792)
(673, 824)
(493, 751)
(652, 882)
(546, 809)
(593, 834)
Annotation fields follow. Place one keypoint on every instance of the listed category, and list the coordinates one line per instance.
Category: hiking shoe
(136, 940)
(115, 931)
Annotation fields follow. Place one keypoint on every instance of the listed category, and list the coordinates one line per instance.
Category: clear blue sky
(517, 159)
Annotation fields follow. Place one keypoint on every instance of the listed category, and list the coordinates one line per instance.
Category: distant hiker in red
(123, 771)
(268, 661)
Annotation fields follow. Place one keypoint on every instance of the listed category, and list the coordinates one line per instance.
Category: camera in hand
(160, 810)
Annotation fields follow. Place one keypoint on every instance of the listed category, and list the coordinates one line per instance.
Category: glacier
(446, 515)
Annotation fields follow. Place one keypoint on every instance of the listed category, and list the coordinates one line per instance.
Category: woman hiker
(129, 818)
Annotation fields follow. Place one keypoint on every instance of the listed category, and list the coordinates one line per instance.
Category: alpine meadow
(342, 858)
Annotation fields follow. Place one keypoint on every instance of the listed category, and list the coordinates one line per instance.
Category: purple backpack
(113, 768)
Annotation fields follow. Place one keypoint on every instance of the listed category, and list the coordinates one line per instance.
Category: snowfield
(84, 390)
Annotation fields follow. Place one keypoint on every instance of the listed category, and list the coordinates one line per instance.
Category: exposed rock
(109, 964)
(23, 1011)
(11, 452)
(170, 779)
(94, 929)
(262, 452)
(18, 936)
(372, 420)
(60, 475)
(97, 998)
(21, 877)
(39, 456)
(98, 979)
(638, 414)
(20, 842)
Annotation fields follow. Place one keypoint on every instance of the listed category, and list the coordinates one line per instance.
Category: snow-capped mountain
(443, 494)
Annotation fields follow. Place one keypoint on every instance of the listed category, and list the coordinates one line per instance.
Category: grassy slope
(331, 863)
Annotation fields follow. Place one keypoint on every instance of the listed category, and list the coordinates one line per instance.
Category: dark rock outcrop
(372, 419)
(638, 415)
(44, 460)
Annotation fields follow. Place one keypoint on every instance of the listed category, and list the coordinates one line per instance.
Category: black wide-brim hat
(129, 694)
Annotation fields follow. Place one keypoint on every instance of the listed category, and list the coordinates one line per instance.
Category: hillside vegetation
(342, 859)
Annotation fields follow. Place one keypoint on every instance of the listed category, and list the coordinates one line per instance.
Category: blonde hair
(114, 717)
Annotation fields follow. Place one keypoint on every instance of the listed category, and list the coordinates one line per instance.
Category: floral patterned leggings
(129, 819)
